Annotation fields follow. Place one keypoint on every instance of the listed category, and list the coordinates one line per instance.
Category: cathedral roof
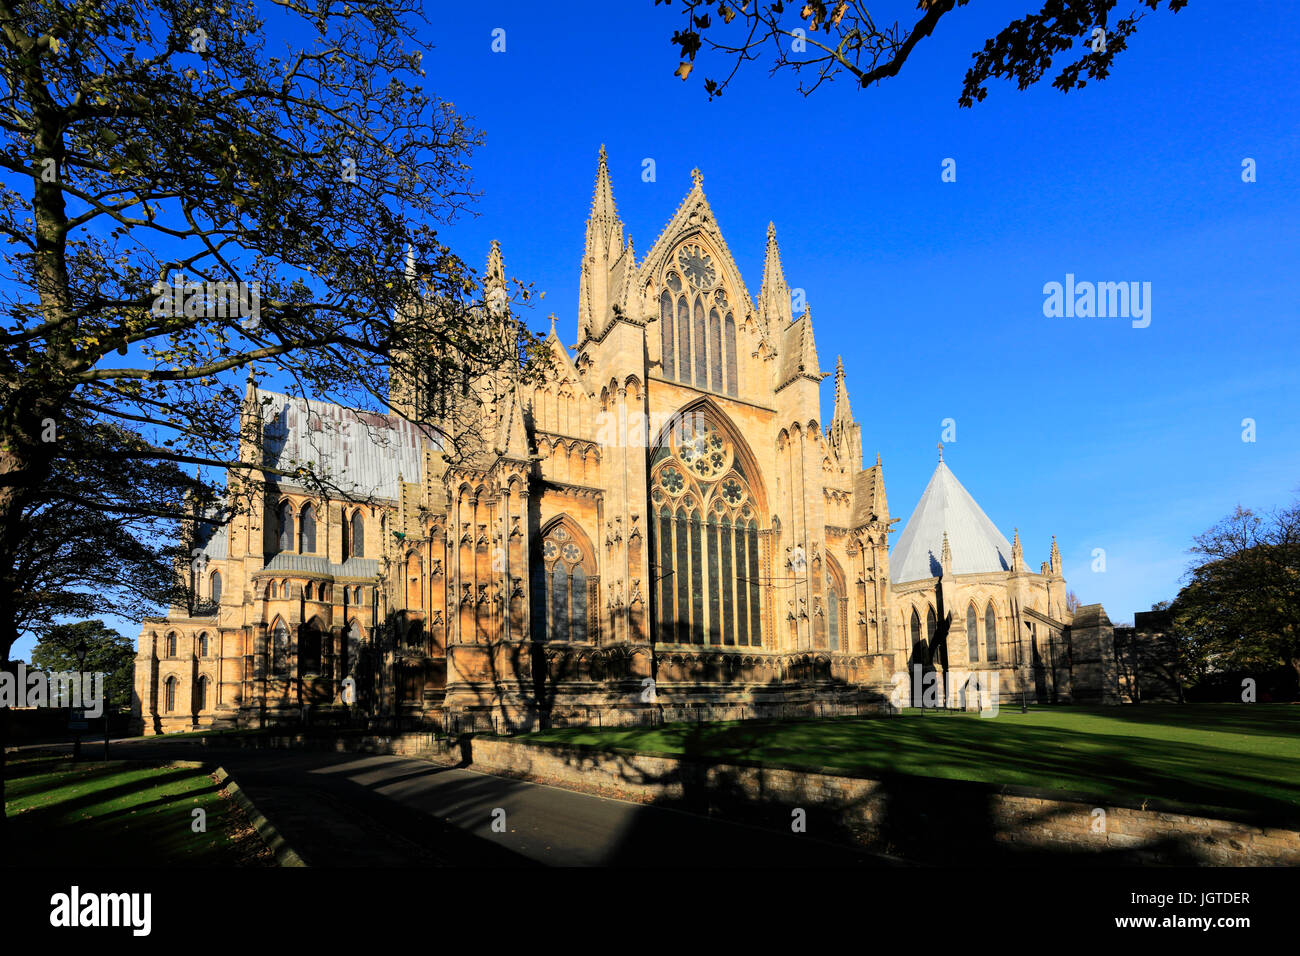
(316, 564)
(362, 454)
(948, 508)
(212, 541)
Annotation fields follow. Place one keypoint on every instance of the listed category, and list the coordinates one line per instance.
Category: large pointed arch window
(972, 634)
(563, 576)
(697, 323)
(706, 539)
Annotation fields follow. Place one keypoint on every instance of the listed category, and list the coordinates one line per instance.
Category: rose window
(703, 449)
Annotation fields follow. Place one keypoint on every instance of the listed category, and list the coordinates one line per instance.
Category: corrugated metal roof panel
(362, 453)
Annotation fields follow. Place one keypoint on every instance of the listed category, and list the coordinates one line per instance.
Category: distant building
(1148, 659)
(667, 525)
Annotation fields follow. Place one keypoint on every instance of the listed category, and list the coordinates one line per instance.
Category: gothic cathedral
(665, 528)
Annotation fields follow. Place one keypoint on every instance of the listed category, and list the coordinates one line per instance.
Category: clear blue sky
(1104, 435)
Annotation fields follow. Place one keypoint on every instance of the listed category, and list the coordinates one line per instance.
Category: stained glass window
(562, 578)
(707, 549)
(701, 359)
(698, 345)
(832, 613)
(715, 351)
(732, 384)
(286, 526)
(357, 536)
(666, 322)
(972, 634)
(991, 632)
(307, 530)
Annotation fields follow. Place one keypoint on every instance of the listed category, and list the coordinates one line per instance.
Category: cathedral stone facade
(665, 527)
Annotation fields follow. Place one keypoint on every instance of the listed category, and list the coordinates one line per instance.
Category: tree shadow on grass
(922, 815)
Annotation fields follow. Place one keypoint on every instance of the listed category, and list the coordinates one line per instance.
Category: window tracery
(706, 530)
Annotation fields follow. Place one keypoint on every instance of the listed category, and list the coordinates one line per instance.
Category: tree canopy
(1240, 610)
(820, 40)
(107, 652)
(198, 193)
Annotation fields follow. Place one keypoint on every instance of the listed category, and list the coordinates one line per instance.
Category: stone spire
(1054, 562)
(495, 292)
(945, 559)
(1017, 553)
(846, 434)
(774, 310)
(494, 275)
(603, 283)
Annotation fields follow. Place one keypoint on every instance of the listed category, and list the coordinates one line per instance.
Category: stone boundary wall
(928, 820)
(919, 819)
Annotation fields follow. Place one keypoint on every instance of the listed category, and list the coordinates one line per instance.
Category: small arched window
(931, 626)
(564, 581)
(916, 628)
(285, 518)
(991, 632)
(270, 590)
(356, 536)
(216, 587)
(309, 653)
(666, 332)
(832, 613)
(169, 648)
(972, 634)
(732, 383)
(169, 695)
(307, 591)
(307, 530)
(280, 649)
(201, 693)
(203, 644)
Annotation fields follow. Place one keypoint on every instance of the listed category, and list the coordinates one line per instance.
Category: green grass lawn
(121, 813)
(1204, 757)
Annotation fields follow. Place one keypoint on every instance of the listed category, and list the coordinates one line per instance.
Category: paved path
(368, 810)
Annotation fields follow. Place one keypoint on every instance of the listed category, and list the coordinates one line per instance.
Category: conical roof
(948, 508)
